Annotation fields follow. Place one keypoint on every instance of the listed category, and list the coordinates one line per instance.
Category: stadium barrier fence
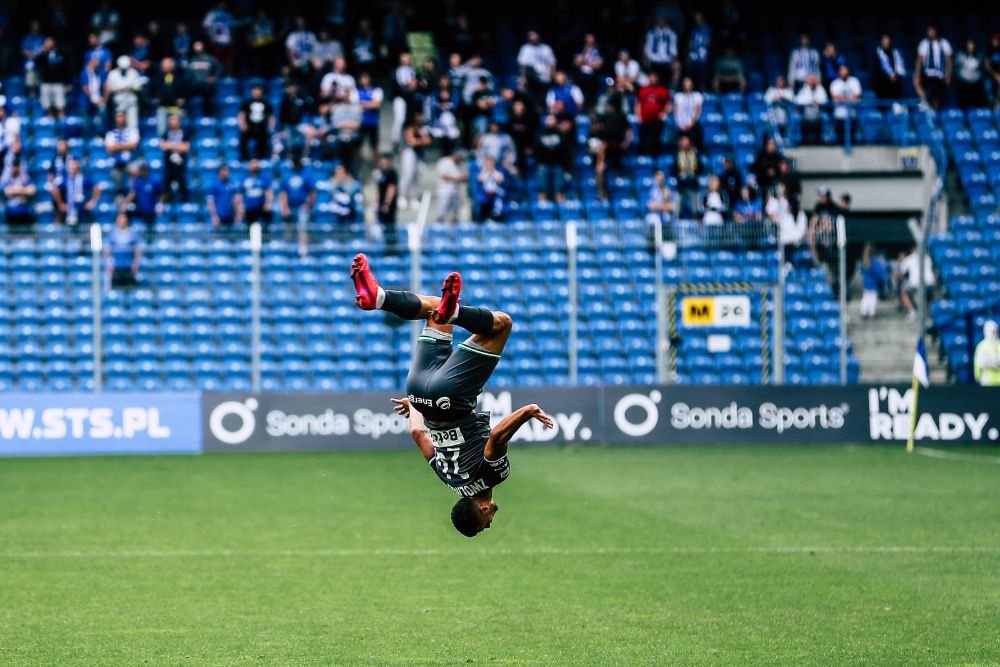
(156, 423)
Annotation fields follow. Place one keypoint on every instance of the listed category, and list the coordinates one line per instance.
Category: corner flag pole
(921, 376)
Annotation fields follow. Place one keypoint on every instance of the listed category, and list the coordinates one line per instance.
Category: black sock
(475, 320)
(404, 304)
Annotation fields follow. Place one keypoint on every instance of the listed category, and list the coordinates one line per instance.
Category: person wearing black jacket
(291, 113)
(552, 153)
(53, 72)
(168, 93)
(522, 126)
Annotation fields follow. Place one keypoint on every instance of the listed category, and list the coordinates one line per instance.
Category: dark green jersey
(459, 455)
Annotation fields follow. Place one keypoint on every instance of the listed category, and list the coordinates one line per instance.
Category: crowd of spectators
(500, 139)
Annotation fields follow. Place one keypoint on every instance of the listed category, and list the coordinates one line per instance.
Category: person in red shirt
(653, 105)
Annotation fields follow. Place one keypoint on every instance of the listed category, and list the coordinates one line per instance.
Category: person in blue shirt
(70, 197)
(100, 53)
(20, 194)
(31, 46)
(221, 200)
(370, 98)
(298, 194)
(699, 52)
(873, 275)
(145, 197)
(346, 195)
(256, 196)
(123, 253)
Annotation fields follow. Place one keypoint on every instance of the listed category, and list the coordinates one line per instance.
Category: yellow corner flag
(921, 378)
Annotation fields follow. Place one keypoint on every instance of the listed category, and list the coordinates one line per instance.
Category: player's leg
(490, 329)
(371, 295)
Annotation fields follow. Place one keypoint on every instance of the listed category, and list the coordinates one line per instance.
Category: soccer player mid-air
(442, 388)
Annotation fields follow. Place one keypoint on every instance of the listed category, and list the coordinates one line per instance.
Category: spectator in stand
(299, 47)
(10, 130)
(92, 85)
(654, 105)
(687, 112)
(484, 101)
(730, 179)
(443, 121)
(404, 79)
(145, 198)
(908, 278)
(363, 45)
(53, 73)
(180, 45)
(661, 51)
(496, 144)
(98, 51)
(20, 194)
(416, 140)
(338, 85)
(628, 71)
(489, 199)
(256, 122)
(803, 63)
(830, 64)
(661, 204)
(729, 75)
(810, 101)
(221, 200)
(687, 168)
(139, 55)
(255, 199)
(218, 25)
(589, 63)
(261, 39)
(169, 94)
(317, 132)
(123, 254)
(747, 209)
(986, 360)
(394, 29)
(537, 62)
(370, 97)
(565, 91)
(779, 98)
(291, 117)
(992, 66)
(345, 120)
(203, 72)
(58, 168)
(31, 46)
(552, 154)
(713, 204)
(387, 186)
(699, 52)
(873, 276)
(175, 146)
(969, 71)
(328, 50)
(820, 234)
(932, 70)
(450, 184)
(845, 91)
(297, 197)
(121, 144)
(614, 136)
(70, 197)
(766, 164)
(346, 202)
(522, 126)
(122, 88)
(791, 228)
(105, 22)
(793, 184)
(889, 71)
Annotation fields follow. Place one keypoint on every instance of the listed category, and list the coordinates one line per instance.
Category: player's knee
(502, 322)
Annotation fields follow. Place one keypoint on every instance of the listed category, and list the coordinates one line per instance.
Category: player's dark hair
(465, 517)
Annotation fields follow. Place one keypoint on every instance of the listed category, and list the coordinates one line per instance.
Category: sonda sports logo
(889, 419)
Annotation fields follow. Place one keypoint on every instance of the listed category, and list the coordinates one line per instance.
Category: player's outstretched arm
(496, 446)
(418, 431)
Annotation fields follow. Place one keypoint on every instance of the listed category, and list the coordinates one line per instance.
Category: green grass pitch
(598, 556)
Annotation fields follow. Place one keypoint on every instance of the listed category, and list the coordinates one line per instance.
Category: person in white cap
(987, 361)
(122, 88)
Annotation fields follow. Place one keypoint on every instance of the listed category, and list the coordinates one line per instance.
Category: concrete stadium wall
(151, 423)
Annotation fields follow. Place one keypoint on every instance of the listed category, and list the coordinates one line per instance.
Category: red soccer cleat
(448, 305)
(364, 282)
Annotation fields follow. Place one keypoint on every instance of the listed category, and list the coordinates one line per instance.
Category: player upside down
(442, 388)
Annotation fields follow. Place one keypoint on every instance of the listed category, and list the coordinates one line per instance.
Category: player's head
(470, 517)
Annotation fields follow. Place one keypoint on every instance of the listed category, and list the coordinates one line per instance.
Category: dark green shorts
(444, 382)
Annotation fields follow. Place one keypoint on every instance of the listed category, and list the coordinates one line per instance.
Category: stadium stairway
(885, 347)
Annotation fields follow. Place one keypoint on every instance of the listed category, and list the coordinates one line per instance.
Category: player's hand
(539, 414)
(402, 406)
